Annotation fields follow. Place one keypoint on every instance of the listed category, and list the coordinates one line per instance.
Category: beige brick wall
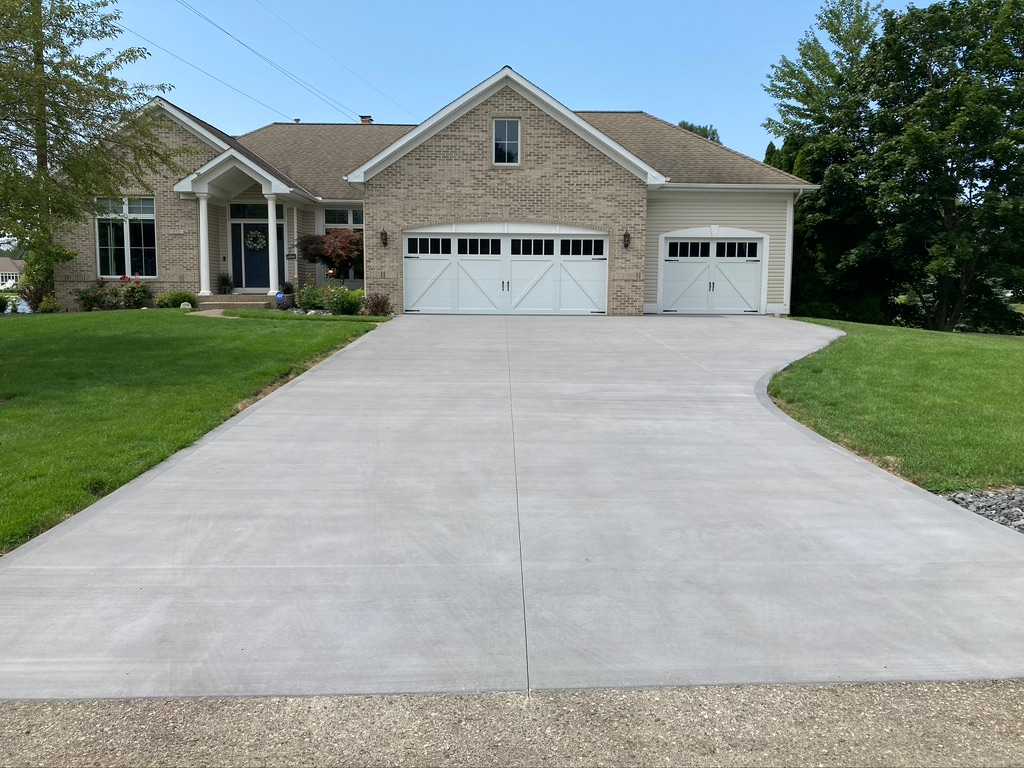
(306, 269)
(177, 226)
(561, 179)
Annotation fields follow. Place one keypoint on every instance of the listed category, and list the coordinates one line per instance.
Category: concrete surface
(487, 503)
(908, 724)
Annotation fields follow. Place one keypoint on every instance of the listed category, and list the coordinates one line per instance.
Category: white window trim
(519, 142)
(126, 218)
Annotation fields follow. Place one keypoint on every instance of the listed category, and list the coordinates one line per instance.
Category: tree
(823, 101)
(340, 249)
(708, 131)
(72, 130)
(948, 168)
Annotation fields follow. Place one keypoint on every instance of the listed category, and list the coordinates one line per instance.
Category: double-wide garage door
(502, 274)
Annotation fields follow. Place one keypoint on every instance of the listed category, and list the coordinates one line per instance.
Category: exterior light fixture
(383, 239)
(625, 240)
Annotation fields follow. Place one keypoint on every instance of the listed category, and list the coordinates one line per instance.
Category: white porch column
(275, 280)
(204, 244)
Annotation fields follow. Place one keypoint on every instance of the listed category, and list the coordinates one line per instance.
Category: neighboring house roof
(506, 77)
(321, 154)
(683, 156)
(7, 264)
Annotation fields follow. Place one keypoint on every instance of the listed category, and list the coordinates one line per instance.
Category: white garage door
(501, 274)
(712, 276)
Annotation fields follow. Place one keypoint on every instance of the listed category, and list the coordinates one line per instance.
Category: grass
(276, 314)
(89, 401)
(943, 410)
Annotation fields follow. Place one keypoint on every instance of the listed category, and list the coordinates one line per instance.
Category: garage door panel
(430, 284)
(686, 286)
(584, 285)
(737, 287)
(480, 284)
(533, 285)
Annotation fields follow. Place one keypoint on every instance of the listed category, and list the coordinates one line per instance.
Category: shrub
(136, 295)
(3, 303)
(99, 296)
(49, 304)
(341, 301)
(225, 284)
(174, 299)
(311, 297)
(378, 304)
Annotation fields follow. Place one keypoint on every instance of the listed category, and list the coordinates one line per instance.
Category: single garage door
(502, 274)
(712, 276)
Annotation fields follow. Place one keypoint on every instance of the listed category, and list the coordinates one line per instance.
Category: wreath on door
(255, 240)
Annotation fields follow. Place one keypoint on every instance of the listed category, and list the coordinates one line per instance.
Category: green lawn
(89, 401)
(944, 410)
(277, 314)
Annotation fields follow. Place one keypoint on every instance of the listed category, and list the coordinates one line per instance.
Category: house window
(126, 236)
(257, 211)
(506, 142)
(344, 218)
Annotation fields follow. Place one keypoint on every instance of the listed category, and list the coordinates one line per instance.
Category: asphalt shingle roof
(683, 156)
(316, 156)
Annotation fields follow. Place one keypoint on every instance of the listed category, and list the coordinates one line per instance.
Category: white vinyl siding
(761, 212)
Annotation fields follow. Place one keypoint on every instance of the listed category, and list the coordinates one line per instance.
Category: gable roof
(225, 142)
(321, 154)
(683, 156)
(506, 77)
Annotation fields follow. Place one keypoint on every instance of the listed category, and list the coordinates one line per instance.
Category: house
(504, 201)
(10, 272)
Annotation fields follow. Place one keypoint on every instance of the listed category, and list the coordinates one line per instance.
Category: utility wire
(331, 102)
(203, 71)
(333, 58)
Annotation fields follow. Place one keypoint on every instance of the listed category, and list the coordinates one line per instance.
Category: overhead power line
(210, 75)
(330, 101)
(333, 58)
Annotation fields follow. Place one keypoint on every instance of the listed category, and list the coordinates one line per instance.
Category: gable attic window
(506, 141)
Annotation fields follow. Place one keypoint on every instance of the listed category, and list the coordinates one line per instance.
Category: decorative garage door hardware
(719, 276)
(490, 274)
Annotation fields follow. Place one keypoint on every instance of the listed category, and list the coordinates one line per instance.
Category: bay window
(126, 237)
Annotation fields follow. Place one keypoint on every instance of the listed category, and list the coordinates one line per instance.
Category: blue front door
(250, 254)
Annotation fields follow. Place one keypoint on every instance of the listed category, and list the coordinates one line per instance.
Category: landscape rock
(1001, 505)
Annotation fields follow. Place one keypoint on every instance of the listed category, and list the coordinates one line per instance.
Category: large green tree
(947, 167)
(71, 128)
(822, 99)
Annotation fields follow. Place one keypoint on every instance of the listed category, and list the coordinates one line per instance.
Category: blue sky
(402, 61)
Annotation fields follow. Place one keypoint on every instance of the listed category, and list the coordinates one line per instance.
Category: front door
(250, 254)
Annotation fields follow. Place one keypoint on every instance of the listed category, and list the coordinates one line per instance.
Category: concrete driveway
(460, 503)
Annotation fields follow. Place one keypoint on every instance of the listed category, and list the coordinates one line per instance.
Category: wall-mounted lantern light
(625, 240)
(383, 239)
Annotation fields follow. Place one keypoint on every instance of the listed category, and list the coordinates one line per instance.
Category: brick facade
(177, 227)
(561, 179)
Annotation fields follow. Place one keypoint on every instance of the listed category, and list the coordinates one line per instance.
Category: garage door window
(729, 249)
(474, 246)
(429, 245)
(688, 249)
(582, 247)
(538, 247)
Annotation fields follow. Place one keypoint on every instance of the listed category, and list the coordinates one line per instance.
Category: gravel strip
(1003, 505)
(977, 723)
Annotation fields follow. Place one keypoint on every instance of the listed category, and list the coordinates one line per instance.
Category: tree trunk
(41, 131)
